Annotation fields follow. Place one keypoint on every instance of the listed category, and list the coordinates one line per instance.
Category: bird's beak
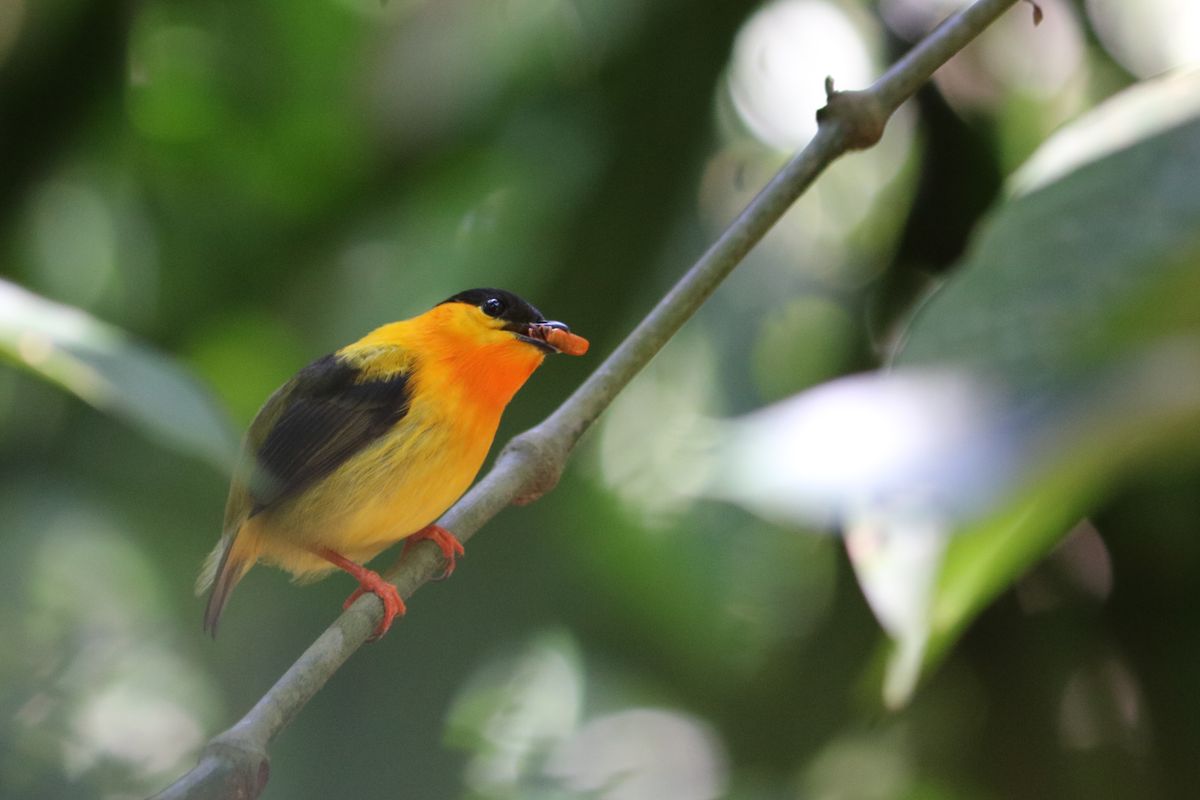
(550, 336)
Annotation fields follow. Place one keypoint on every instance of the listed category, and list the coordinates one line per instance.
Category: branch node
(546, 460)
(251, 764)
(229, 769)
(861, 115)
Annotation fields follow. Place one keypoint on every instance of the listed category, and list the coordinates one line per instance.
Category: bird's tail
(222, 570)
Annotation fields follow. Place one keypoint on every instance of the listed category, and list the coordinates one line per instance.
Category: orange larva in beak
(557, 337)
(553, 336)
(566, 342)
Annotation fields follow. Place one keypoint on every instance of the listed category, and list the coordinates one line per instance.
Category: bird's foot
(387, 593)
(450, 546)
(373, 582)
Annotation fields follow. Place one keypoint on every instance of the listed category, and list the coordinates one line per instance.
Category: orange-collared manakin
(370, 444)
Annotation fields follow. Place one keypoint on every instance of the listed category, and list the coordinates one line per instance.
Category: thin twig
(235, 763)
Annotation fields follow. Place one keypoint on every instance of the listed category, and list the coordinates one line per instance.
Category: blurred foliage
(100, 366)
(1103, 384)
(197, 198)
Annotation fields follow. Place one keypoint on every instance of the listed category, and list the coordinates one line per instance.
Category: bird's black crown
(499, 304)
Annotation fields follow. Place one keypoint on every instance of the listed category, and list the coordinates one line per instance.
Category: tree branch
(235, 763)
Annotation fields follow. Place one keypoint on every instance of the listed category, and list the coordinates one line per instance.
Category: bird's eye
(493, 306)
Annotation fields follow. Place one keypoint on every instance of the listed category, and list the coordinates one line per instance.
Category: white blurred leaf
(905, 441)
(104, 367)
(514, 709)
(897, 561)
(642, 754)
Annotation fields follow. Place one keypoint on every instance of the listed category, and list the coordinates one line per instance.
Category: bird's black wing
(314, 423)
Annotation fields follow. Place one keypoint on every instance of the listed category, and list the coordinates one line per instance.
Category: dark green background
(272, 180)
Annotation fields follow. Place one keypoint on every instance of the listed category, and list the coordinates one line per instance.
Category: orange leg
(450, 546)
(368, 581)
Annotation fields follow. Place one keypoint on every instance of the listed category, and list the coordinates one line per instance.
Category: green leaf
(1133, 417)
(1064, 278)
(107, 369)
(1079, 299)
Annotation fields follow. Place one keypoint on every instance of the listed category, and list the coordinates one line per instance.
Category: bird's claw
(446, 541)
(388, 594)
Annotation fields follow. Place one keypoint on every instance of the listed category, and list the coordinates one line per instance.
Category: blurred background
(197, 198)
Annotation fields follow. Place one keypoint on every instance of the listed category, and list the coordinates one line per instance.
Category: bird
(369, 445)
